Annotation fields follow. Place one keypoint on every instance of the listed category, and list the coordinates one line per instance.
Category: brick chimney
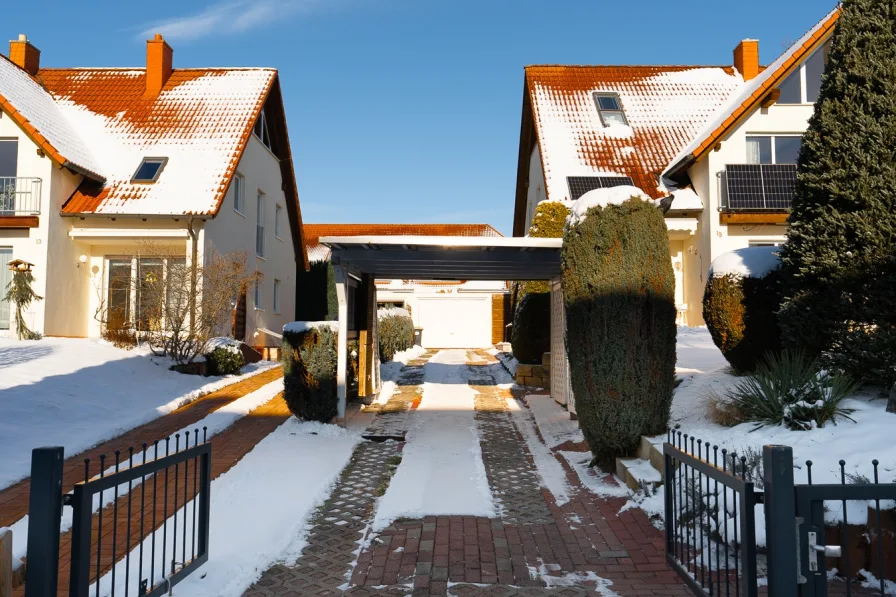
(158, 65)
(24, 55)
(746, 58)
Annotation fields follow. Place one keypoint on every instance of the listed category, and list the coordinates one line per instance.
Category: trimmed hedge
(223, 361)
(741, 314)
(548, 222)
(530, 336)
(309, 374)
(395, 331)
(619, 292)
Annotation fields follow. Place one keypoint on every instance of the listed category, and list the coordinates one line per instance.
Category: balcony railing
(760, 187)
(19, 196)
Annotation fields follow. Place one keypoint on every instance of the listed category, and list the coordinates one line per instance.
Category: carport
(358, 260)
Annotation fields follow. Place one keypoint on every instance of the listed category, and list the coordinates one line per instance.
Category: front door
(5, 279)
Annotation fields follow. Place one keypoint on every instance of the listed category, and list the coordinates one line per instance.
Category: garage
(455, 321)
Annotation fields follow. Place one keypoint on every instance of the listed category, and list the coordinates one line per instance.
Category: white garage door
(456, 321)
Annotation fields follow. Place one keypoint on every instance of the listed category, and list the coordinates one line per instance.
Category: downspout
(194, 269)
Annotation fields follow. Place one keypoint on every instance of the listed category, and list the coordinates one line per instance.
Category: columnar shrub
(548, 222)
(530, 336)
(839, 262)
(395, 330)
(309, 373)
(619, 292)
(740, 304)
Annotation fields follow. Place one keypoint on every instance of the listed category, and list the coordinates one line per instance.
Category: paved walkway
(534, 547)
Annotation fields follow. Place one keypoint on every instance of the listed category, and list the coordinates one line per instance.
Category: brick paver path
(534, 538)
(228, 447)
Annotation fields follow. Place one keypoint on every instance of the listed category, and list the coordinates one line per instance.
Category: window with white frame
(239, 192)
(610, 109)
(773, 149)
(143, 293)
(261, 129)
(276, 296)
(803, 84)
(259, 294)
(278, 217)
(259, 225)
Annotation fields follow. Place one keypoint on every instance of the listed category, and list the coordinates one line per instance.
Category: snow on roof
(200, 121)
(686, 200)
(318, 253)
(35, 110)
(578, 209)
(749, 262)
(665, 107)
(740, 104)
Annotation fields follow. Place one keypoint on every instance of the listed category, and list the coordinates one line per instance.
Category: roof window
(149, 170)
(610, 109)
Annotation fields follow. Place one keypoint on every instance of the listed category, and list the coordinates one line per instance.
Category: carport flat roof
(447, 257)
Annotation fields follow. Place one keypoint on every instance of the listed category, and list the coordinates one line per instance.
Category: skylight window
(149, 170)
(610, 109)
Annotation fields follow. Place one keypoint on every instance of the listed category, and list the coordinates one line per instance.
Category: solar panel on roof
(760, 186)
(579, 185)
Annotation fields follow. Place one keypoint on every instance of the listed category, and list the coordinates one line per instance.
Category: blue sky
(408, 110)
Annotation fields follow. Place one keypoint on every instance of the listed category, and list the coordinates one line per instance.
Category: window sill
(239, 212)
(278, 238)
(257, 256)
(258, 309)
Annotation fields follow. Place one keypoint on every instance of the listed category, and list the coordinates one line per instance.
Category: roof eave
(84, 171)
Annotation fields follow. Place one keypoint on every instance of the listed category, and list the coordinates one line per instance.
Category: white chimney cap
(23, 37)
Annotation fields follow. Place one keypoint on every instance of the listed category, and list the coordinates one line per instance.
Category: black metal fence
(711, 523)
(140, 520)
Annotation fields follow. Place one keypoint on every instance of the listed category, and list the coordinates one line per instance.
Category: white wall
(536, 191)
(231, 231)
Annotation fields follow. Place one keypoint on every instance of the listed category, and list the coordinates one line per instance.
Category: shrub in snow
(742, 297)
(316, 293)
(790, 389)
(530, 336)
(619, 292)
(309, 372)
(838, 263)
(20, 294)
(396, 332)
(548, 222)
(224, 361)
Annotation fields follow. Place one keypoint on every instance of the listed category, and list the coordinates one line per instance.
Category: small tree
(20, 294)
(839, 262)
(619, 292)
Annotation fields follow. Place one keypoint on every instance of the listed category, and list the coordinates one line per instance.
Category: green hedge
(224, 361)
(309, 373)
(619, 292)
(741, 315)
(396, 332)
(530, 336)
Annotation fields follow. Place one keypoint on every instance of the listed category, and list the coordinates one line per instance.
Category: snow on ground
(553, 421)
(507, 359)
(441, 471)
(595, 480)
(549, 470)
(391, 371)
(215, 422)
(77, 393)
(259, 509)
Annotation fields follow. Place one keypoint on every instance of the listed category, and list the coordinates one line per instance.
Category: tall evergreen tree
(839, 263)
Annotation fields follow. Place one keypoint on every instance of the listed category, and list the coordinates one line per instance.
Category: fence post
(44, 515)
(780, 515)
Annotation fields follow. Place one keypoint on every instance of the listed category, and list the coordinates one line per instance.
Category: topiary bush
(740, 305)
(619, 293)
(548, 222)
(396, 332)
(224, 361)
(530, 336)
(309, 362)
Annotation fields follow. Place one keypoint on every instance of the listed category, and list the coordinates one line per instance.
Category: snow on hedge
(384, 312)
(228, 344)
(297, 327)
(749, 262)
(601, 198)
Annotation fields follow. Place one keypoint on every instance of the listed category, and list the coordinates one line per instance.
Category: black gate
(711, 497)
(140, 524)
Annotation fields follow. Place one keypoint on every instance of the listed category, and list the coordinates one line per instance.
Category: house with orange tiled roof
(96, 163)
(722, 141)
(447, 313)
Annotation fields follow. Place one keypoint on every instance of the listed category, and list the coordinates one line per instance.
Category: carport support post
(341, 342)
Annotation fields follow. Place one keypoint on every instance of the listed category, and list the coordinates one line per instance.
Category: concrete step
(637, 473)
(648, 450)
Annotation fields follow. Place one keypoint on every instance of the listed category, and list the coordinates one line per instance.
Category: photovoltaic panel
(760, 186)
(579, 185)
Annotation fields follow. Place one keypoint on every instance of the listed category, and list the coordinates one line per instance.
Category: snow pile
(228, 344)
(77, 393)
(390, 371)
(384, 312)
(553, 421)
(595, 480)
(441, 471)
(686, 199)
(749, 262)
(258, 513)
(552, 475)
(297, 327)
(408, 355)
(578, 210)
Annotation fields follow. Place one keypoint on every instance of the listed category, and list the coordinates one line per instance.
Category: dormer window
(261, 130)
(803, 84)
(610, 109)
(149, 170)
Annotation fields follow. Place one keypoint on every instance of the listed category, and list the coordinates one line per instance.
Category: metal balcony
(19, 196)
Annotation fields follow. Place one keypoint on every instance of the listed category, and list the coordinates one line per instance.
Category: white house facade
(722, 140)
(99, 164)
